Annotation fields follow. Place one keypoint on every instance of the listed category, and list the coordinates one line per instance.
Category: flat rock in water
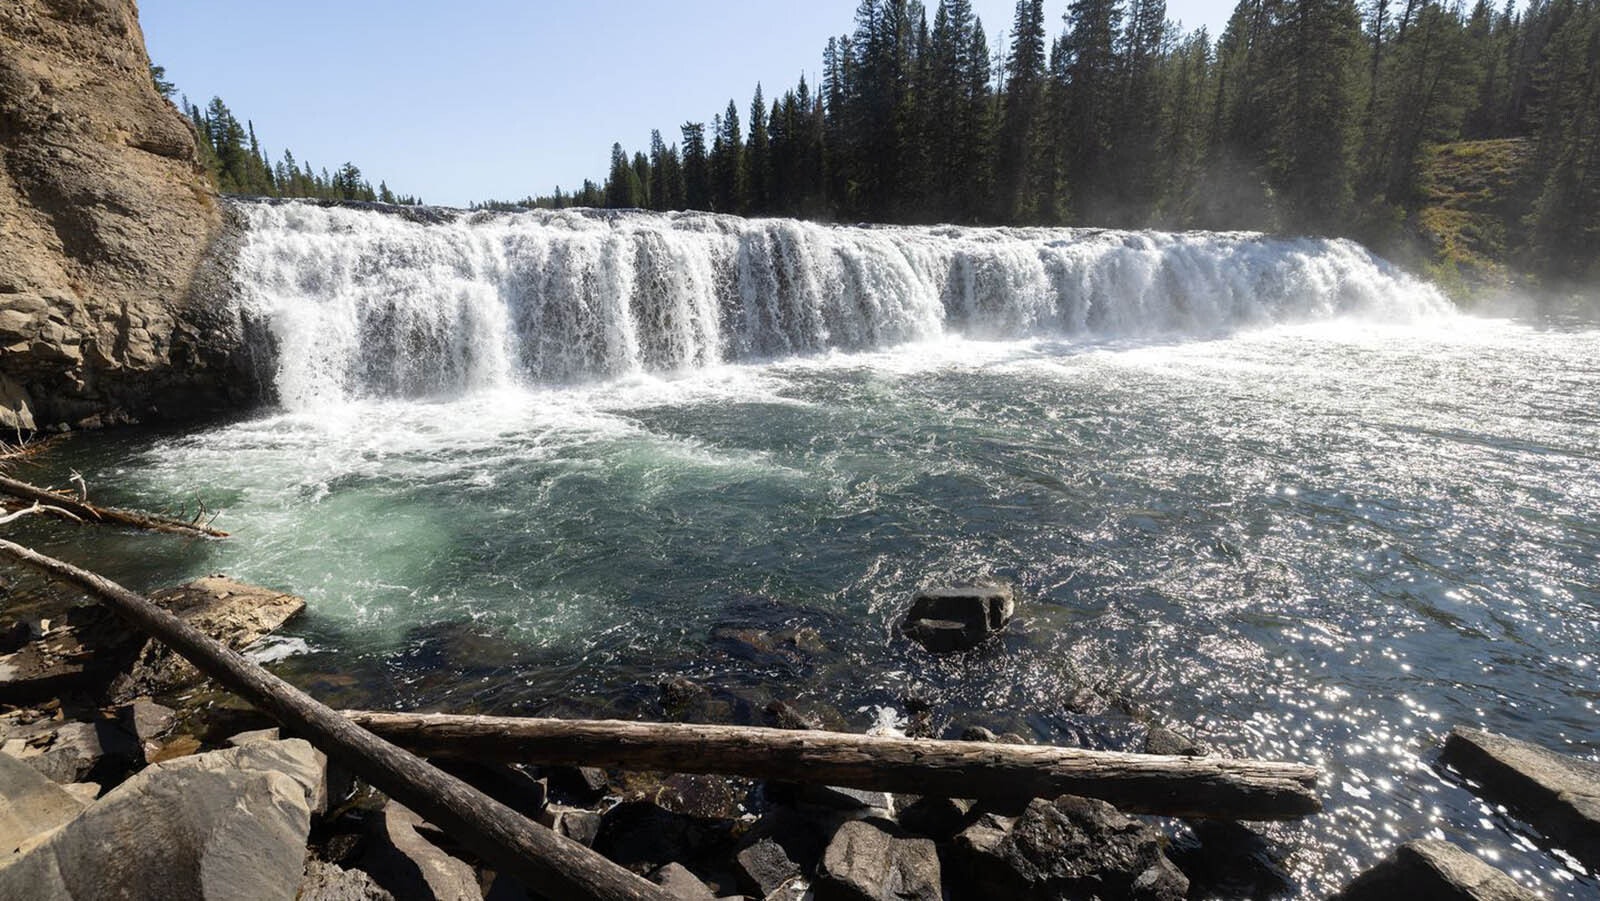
(30, 805)
(1555, 793)
(234, 613)
(1428, 870)
(228, 824)
(1070, 847)
(868, 860)
(957, 619)
(409, 866)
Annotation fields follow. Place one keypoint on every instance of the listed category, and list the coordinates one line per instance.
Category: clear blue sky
(475, 99)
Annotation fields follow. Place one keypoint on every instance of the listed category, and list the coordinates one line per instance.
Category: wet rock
(330, 882)
(678, 882)
(201, 827)
(147, 721)
(1555, 793)
(869, 860)
(582, 826)
(77, 653)
(1428, 870)
(576, 784)
(234, 613)
(957, 619)
(409, 866)
(936, 818)
(679, 695)
(30, 804)
(1069, 847)
(781, 846)
(1161, 740)
(642, 836)
(782, 715)
(715, 797)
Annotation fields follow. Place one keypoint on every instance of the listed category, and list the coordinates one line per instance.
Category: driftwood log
(545, 862)
(88, 512)
(1206, 787)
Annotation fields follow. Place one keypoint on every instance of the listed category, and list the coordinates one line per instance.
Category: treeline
(238, 164)
(1304, 116)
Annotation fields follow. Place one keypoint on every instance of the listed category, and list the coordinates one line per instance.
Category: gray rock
(242, 739)
(957, 619)
(409, 866)
(1161, 740)
(1555, 793)
(86, 792)
(781, 846)
(30, 804)
(225, 825)
(868, 860)
(147, 721)
(77, 653)
(98, 751)
(1433, 871)
(837, 797)
(572, 822)
(796, 889)
(678, 882)
(1069, 847)
(330, 882)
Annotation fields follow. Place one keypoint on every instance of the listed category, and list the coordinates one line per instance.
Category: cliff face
(107, 311)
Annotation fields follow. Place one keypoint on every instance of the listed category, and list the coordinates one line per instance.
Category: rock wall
(107, 311)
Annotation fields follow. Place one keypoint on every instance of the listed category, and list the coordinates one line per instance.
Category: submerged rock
(957, 619)
(1426, 870)
(218, 825)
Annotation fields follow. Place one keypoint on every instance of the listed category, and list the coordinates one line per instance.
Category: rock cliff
(109, 310)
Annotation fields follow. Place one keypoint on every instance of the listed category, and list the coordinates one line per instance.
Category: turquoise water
(1325, 542)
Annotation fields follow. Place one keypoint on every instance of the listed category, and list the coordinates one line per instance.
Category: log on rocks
(108, 515)
(557, 866)
(1205, 787)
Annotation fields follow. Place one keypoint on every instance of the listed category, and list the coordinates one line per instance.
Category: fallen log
(110, 515)
(1205, 787)
(545, 862)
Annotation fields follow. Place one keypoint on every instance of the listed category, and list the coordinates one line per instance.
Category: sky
(480, 99)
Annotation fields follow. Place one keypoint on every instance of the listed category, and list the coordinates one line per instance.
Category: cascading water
(368, 304)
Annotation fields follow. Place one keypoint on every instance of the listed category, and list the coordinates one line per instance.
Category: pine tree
(696, 167)
(1016, 160)
(757, 160)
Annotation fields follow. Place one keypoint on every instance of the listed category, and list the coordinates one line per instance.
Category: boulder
(957, 619)
(229, 824)
(1070, 847)
(30, 804)
(1555, 793)
(147, 721)
(782, 845)
(409, 866)
(936, 818)
(869, 860)
(330, 882)
(1433, 870)
(95, 751)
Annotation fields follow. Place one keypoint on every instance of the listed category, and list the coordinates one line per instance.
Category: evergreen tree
(1017, 175)
(696, 167)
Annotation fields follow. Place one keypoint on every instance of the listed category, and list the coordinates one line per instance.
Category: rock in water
(1067, 848)
(1426, 870)
(229, 824)
(956, 619)
(110, 312)
(1557, 793)
(868, 860)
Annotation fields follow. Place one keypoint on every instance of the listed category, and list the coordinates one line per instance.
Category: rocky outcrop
(109, 312)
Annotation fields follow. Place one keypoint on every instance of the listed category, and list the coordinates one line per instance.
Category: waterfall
(363, 302)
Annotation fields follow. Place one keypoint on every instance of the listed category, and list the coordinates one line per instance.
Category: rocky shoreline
(117, 768)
